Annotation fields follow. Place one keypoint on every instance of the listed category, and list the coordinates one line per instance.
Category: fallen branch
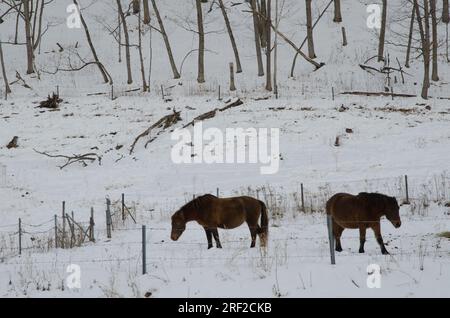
(377, 94)
(164, 123)
(74, 158)
(51, 102)
(212, 113)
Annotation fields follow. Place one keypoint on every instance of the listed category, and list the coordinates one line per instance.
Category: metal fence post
(144, 256)
(123, 207)
(91, 226)
(56, 231)
(108, 218)
(331, 238)
(20, 236)
(302, 197)
(407, 191)
(63, 224)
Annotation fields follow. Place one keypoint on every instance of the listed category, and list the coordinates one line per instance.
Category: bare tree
(337, 11)
(146, 12)
(175, 72)
(410, 36)
(269, 45)
(424, 29)
(257, 38)
(231, 35)
(28, 36)
(201, 43)
(382, 32)
(141, 57)
(127, 42)
(5, 79)
(136, 6)
(446, 20)
(89, 40)
(434, 73)
(309, 30)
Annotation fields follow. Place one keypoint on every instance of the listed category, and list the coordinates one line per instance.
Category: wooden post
(407, 191)
(302, 197)
(112, 92)
(91, 226)
(56, 231)
(108, 218)
(220, 98)
(123, 207)
(217, 192)
(232, 85)
(332, 93)
(392, 92)
(162, 92)
(344, 37)
(331, 238)
(63, 224)
(20, 236)
(144, 256)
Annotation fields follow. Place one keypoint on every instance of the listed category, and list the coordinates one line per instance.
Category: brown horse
(361, 212)
(229, 213)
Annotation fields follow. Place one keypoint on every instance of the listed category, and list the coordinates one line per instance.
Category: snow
(385, 145)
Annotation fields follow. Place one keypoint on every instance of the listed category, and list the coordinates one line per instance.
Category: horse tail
(264, 230)
(328, 205)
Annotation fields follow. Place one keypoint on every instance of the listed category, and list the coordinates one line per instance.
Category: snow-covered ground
(389, 139)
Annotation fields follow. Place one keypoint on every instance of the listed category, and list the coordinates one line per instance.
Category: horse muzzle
(397, 224)
(175, 236)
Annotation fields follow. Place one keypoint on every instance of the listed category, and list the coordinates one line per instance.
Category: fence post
(220, 98)
(20, 236)
(56, 231)
(91, 226)
(108, 218)
(162, 92)
(63, 224)
(332, 93)
(217, 192)
(144, 256)
(232, 84)
(331, 238)
(302, 197)
(123, 206)
(407, 192)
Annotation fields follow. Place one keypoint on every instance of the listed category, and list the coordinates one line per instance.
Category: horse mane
(374, 199)
(197, 202)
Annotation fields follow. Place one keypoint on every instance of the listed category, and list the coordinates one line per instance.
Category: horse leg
(208, 237)
(337, 231)
(253, 233)
(377, 230)
(362, 238)
(215, 233)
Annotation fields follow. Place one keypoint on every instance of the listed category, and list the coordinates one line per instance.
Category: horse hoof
(338, 249)
(385, 252)
(209, 247)
(361, 251)
(220, 246)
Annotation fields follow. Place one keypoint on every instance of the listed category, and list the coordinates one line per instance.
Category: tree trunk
(201, 43)
(382, 32)
(410, 37)
(337, 11)
(262, 22)
(88, 37)
(257, 38)
(175, 72)
(269, 45)
(37, 41)
(275, 53)
(16, 36)
(230, 33)
(435, 73)
(127, 42)
(136, 6)
(446, 20)
(425, 39)
(5, 79)
(141, 57)
(28, 36)
(309, 28)
(146, 12)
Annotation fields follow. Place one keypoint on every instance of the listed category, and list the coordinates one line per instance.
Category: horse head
(178, 225)
(392, 211)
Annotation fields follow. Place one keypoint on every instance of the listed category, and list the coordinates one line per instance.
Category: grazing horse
(211, 212)
(361, 212)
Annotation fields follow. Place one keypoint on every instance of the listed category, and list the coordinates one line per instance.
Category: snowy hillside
(328, 144)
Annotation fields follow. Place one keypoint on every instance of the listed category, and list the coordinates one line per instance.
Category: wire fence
(64, 232)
